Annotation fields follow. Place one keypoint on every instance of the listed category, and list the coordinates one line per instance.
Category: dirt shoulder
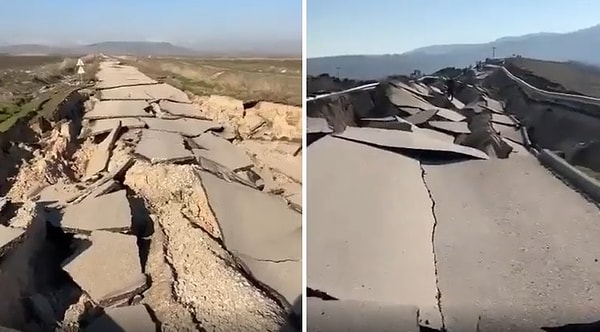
(565, 77)
(274, 80)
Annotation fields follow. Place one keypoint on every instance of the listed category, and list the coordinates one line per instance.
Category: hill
(582, 46)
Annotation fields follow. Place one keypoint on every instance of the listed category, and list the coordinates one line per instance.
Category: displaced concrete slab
(290, 166)
(105, 212)
(253, 223)
(363, 246)
(401, 97)
(99, 160)
(181, 109)
(9, 235)
(494, 105)
(58, 194)
(124, 319)
(503, 119)
(145, 92)
(422, 117)
(451, 126)
(436, 134)
(160, 147)
(389, 122)
(504, 220)
(406, 140)
(185, 127)
(284, 277)
(118, 109)
(103, 126)
(110, 269)
(222, 152)
(450, 114)
(359, 316)
(258, 227)
(457, 104)
(3, 203)
(509, 132)
(317, 125)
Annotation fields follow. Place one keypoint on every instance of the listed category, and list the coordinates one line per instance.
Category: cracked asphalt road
(471, 245)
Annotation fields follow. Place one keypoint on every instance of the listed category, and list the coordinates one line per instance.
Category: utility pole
(337, 74)
(493, 52)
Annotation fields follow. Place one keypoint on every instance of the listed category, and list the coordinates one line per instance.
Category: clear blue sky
(336, 27)
(178, 21)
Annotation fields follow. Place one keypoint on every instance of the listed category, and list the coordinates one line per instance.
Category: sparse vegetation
(276, 80)
(565, 77)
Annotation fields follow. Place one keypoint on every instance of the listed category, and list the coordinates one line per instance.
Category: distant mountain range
(142, 48)
(582, 46)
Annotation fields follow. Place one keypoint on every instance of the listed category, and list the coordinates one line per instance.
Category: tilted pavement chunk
(421, 117)
(103, 126)
(359, 316)
(401, 97)
(317, 125)
(509, 132)
(108, 109)
(223, 152)
(185, 127)
(106, 212)
(407, 140)
(259, 227)
(451, 126)
(450, 114)
(366, 203)
(8, 236)
(159, 147)
(503, 119)
(110, 269)
(123, 319)
(99, 160)
(145, 92)
(181, 109)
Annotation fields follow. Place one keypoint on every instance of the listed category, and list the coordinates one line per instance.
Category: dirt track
(96, 188)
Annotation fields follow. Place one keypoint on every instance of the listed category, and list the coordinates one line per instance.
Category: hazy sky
(336, 27)
(177, 21)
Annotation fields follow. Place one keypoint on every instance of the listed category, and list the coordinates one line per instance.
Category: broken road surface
(164, 222)
(453, 225)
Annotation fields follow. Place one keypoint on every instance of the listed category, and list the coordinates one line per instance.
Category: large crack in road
(161, 217)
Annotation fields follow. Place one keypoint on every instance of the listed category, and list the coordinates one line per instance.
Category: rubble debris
(161, 147)
(103, 126)
(185, 127)
(110, 269)
(145, 92)
(106, 212)
(258, 226)
(124, 319)
(101, 156)
(222, 152)
(355, 316)
(406, 140)
(109, 109)
(450, 126)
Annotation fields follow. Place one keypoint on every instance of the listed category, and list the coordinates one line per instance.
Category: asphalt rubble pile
(171, 223)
